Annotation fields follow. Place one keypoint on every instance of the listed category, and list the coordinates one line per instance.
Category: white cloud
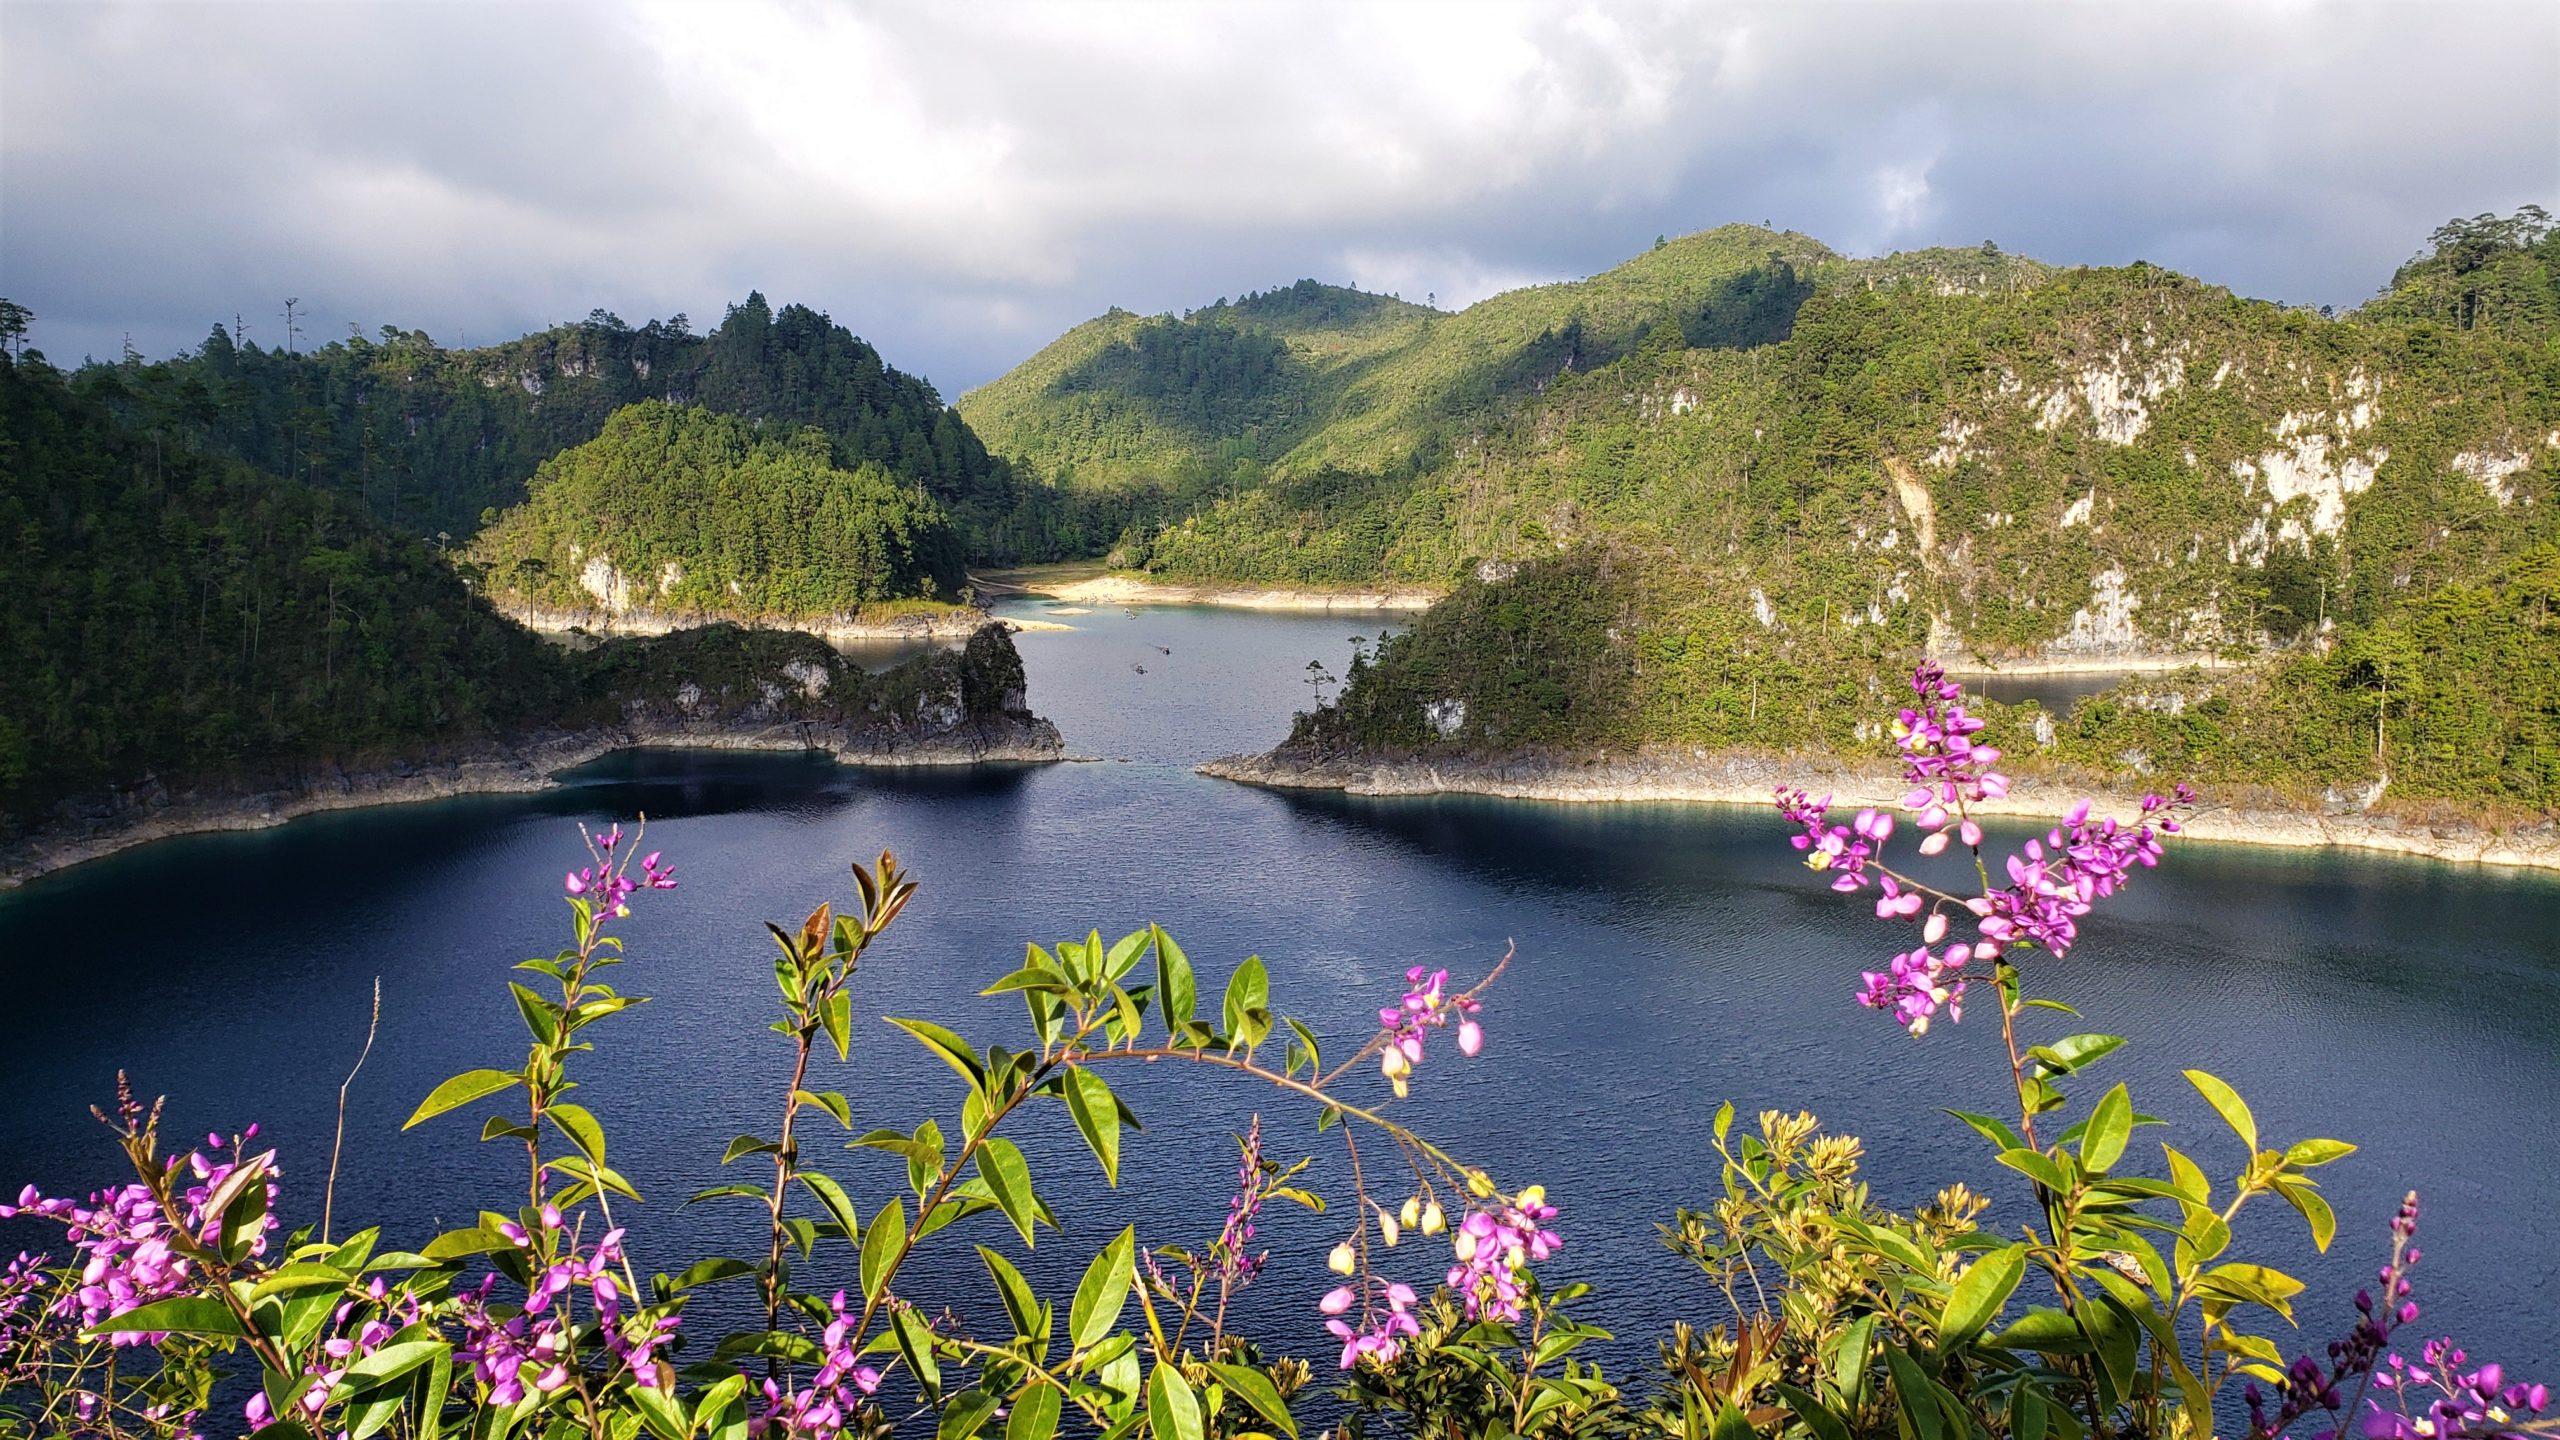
(960, 181)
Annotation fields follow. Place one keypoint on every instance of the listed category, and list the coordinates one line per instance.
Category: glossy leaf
(183, 1315)
(831, 1195)
(1976, 1297)
(1001, 1165)
(1097, 1116)
(880, 1246)
(2227, 1103)
(1035, 1414)
(1103, 1292)
(1021, 1305)
(459, 1091)
(952, 1050)
(1255, 1389)
(966, 1415)
(1248, 994)
(1176, 988)
(1172, 1410)
(2110, 1125)
(576, 1122)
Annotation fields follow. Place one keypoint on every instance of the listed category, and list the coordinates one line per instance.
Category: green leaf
(1097, 1115)
(744, 1145)
(2110, 1125)
(1976, 1297)
(967, 1414)
(1248, 991)
(1172, 1410)
(302, 1275)
(1724, 1120)
(2045, 1330)
(184, 1315)
(2039, 1167)
(1176, 989)
(2310, 1154)
(1021, 1306)
(837, 1018)
(580, 1126)
(540, 1015)
(953, 1050)
(831, 1195)
(392, 1361)
(461, 1090)
(880, 1245)
(1997, 1132)
(1035, 1414)
(915, 1346)
(1911, 1389)
(1256, 1390)
(1731, 1423)
(1000, 1164)
(454, 1244)
(2228, 1104)
(1103, 1292)
(831, 1101)
(2072, 1052)
(1816, 1416)
(2314, 1208)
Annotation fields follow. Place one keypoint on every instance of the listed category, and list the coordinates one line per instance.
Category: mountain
(680, 510)
(191, 643)
(434, 439)
(2111, 467)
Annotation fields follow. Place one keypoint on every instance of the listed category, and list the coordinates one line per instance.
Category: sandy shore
(531, 764)
(1704, 777)
(1097, 590)
(1975, 667)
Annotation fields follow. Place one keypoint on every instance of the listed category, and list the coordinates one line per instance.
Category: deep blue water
(1670, 957)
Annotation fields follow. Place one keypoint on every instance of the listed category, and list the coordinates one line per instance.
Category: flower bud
(1343, 1260)
(1411, 1214)
(1465, 1246)
(1470, 1038)
(1533, 1197)
(1935, 929)
(1336, 1300)
(1479, 1184)
(1433, 1222)
(1389, 1230)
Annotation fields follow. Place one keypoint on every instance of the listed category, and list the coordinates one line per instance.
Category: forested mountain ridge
(184, 630)
(2111, 466)
(431, 438)
(680, 511)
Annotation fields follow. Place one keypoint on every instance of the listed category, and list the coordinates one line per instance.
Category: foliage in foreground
(2116, 1308)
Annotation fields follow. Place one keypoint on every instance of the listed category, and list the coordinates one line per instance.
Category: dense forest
(1721, 545)
(433, 439)
(178, 619)
(682, 511)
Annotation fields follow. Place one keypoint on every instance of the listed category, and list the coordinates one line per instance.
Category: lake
(1670, 957)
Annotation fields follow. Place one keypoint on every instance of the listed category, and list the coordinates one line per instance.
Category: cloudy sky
(959, 182)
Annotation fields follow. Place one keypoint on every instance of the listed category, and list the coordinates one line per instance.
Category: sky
(959, 182)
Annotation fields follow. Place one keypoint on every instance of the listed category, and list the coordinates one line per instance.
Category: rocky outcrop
(718, 689)
(1668, 774)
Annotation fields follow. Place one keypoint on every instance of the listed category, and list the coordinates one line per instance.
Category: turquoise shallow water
(1669, 957)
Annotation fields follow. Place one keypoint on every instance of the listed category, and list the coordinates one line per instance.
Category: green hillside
(2095, 465)
(684, 512)
(431, 438)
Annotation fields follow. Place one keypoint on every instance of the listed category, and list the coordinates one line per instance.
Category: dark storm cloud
(959, 183)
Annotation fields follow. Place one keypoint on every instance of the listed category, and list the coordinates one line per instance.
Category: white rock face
(2118, 394)
(2313, 460)
(1682, 402)
(670, 575)
(611, 589)
(1955, 443)
(531, 380)
(2106, 623)
(1762, 610)
(1445, 717)
(809, 675)
(2493, 469)
(689, 697)
(2077, 512)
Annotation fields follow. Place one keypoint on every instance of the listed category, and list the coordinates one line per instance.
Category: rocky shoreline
(1137, 590)
(1669, 774)
(958, 622)
(152, 811)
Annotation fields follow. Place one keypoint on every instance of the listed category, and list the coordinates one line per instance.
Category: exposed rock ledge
(1132, 590)
(152, 811)
(957, 622)
(1678, 774)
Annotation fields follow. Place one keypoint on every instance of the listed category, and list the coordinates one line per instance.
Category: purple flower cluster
(128, 1259)
(1427, 1004)
(608, 883)
(1237, 1261)
(357, 1331)
(1494, 1247)
(2060, 878)
(2053, 882)
(2308, 1384)
(499, 1347)
(1386, 1321)
(22, 1287)
(2436, 1399)
(834, 1396)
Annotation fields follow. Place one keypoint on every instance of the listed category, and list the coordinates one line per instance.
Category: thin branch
(329, 1201)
